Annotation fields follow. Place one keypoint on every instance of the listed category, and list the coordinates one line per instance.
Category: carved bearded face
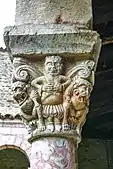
(53, 65)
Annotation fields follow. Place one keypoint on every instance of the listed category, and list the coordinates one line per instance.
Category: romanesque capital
(53, 95)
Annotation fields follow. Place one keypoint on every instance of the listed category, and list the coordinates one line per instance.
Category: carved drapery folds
(53, 98)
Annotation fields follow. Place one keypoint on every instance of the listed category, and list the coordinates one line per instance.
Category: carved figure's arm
(38, 82)
(69, 90)
(66, 81)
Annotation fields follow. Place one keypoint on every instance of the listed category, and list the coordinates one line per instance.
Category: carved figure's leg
(81, 118)
(57, 123)
(37, 110)
(72, 122)
(65, 125)
(50, 124)
(29, 122)
(41, 125)
(66, 106)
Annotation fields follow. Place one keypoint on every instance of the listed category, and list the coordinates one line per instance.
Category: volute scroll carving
(51, 102)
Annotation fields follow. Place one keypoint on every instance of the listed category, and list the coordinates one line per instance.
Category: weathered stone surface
(7, 105)
(53, 11)
(64, 40)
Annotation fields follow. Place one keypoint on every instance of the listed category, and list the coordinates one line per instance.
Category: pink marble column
(53, 153)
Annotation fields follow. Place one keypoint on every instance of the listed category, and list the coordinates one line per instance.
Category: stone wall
(7, 104)
(12, 130)
(14, 133)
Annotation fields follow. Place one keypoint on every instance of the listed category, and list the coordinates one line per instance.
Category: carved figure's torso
(51, 90)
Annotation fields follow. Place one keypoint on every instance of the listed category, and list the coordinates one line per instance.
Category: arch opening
(13, 157)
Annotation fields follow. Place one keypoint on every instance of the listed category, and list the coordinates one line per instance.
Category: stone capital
(53, 93)
(37, 52)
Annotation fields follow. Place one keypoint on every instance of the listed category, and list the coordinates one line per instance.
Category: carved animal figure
(76, 96)
(29, 102)
(76, 102)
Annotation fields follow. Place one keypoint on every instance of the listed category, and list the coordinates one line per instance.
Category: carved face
(53, 65)
(20, 96)
(82, 91)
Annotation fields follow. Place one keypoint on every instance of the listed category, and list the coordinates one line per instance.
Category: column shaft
(53, 153)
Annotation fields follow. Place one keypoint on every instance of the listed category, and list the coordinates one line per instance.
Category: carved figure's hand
(58, 87)
(47, 88)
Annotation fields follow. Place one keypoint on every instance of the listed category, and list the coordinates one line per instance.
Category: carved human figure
(76, 102)
(51, 87)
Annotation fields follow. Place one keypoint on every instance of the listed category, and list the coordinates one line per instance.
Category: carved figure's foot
(50, 127)
(73, 127)
(41, 127)
(58, 127)
(66, 127)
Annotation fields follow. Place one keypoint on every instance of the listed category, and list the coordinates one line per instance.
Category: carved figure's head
(20, 94)
(53, 65)
(83, 88)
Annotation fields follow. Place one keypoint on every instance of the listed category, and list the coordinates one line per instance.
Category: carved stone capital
(54, 99)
